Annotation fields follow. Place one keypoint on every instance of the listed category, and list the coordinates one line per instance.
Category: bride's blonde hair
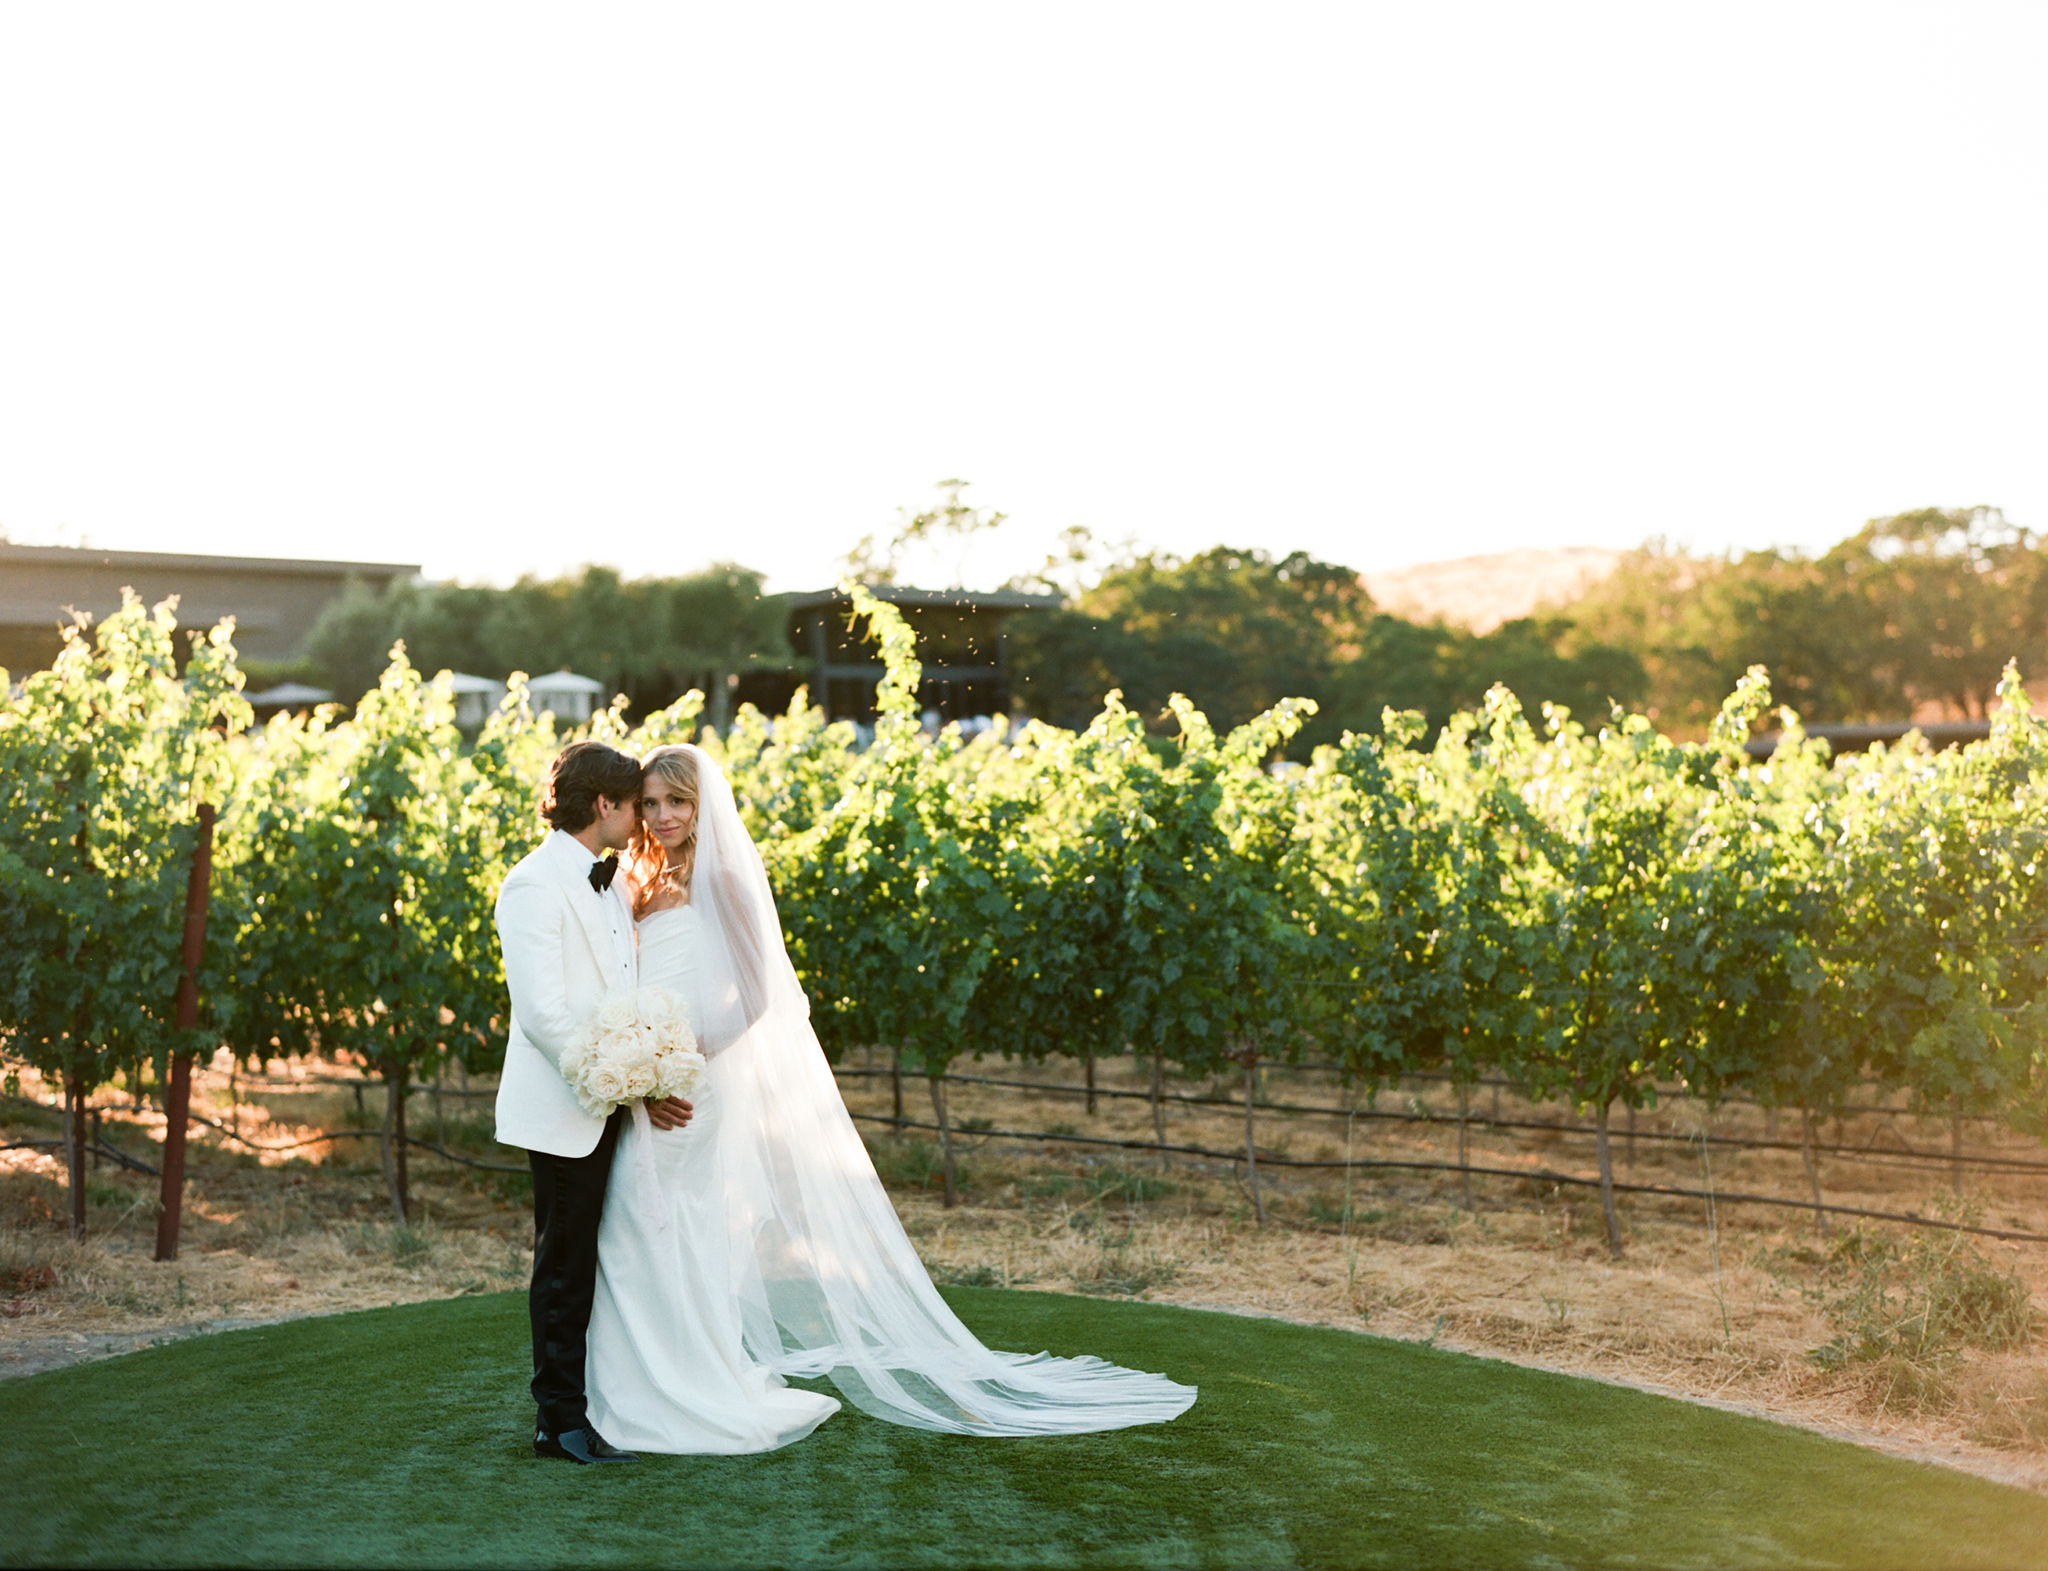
(647, 862)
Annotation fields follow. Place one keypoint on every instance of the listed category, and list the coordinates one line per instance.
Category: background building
(274, 601)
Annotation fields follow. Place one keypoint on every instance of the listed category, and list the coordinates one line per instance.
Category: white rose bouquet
(638, 1045)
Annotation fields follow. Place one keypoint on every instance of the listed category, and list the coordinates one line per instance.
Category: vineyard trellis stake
(178, 1092)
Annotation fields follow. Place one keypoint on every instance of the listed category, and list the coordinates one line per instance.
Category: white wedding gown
(667, 1368)
(758, 1243)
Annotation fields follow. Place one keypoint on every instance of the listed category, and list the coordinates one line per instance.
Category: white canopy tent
(565, 695)
(288, 695)
(475, 698)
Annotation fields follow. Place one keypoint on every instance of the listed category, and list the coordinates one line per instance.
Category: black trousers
(568, 1201)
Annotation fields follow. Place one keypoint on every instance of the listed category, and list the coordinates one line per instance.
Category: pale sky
(504, 288)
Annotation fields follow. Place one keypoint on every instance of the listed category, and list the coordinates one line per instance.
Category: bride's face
(668, 817)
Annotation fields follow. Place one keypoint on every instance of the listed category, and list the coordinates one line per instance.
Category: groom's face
(616, 822)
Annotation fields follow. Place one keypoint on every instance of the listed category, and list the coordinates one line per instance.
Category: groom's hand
(669, 1113)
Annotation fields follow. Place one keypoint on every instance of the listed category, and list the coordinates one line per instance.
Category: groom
(566, 928)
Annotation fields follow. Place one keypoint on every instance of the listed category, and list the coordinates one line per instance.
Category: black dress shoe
(583, 1445)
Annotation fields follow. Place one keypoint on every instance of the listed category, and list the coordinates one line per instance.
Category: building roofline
(903, 595)
(93, 556)
(289, 693)
(564, 682)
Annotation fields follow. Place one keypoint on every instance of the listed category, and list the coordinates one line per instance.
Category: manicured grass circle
(399, 1437)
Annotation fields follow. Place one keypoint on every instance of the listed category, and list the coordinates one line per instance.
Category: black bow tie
(602, 873)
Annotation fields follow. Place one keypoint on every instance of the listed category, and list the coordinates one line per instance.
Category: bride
(756, 1242)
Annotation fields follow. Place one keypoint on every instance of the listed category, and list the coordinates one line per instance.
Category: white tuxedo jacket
(563, 953)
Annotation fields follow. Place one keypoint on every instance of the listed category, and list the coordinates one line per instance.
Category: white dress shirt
(618, 916)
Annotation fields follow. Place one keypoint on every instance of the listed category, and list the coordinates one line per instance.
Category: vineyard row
(1587, 908)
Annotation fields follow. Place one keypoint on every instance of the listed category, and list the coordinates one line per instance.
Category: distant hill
(1481, 592)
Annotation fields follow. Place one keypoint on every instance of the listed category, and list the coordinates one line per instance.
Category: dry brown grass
(1523, 1273)
(265, 1236)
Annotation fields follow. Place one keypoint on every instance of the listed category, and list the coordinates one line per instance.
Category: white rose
(681, 1073)
(630, 1046)
(614, 1014)
(671, 1024)
(675, 1037)
(604, 1082)
(656, 1006)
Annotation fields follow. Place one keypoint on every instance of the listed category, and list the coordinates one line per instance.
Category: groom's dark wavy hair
(581, 773)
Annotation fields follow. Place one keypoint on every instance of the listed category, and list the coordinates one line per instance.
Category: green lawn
(398, 1437)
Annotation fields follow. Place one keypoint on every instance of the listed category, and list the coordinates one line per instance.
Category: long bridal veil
(827, 1280)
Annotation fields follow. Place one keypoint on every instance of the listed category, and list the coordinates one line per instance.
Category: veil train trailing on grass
(825, 1279)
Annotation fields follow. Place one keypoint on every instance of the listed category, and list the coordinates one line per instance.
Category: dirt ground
(1753, 1308)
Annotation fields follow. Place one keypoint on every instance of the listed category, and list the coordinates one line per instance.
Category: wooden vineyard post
(1955, 1144)
(397, 1176)
(937, 1083)
(1606, 1160)
(1812, 1161)
(75, 1093)
(1464, 1148)
(1159, 1103)
(178, 1094)
(75, 1143)
(1250, 1059)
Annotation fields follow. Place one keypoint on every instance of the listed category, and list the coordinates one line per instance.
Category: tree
(1218, 943)
(1611, 815)
(1934, 924)
(364, 879)
(1918, 610)
(1411, 860)
(886, 901)
(1077, 814)
(651, 638)
(718, 623)
(876, 561)
(104, 759)
(1236, 631)
(1947, 597)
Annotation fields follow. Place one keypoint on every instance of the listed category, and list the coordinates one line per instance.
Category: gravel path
(34, 1355)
